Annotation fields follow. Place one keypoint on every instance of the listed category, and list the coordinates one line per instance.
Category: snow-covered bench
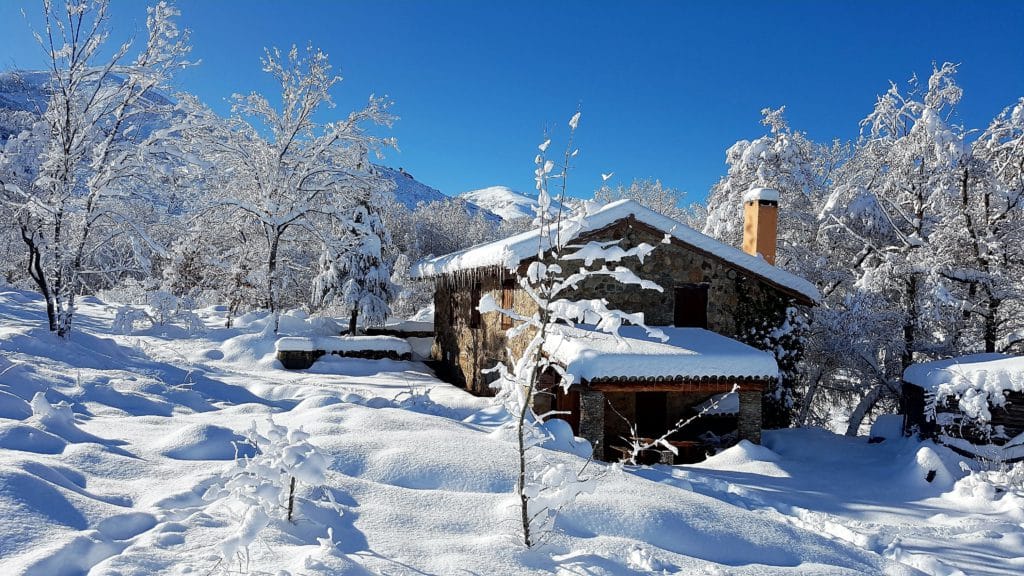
(299, 353)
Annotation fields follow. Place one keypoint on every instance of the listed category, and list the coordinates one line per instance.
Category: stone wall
(737, 301)
(467, 350)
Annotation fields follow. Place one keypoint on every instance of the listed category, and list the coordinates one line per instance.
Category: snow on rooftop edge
(689, 352)
(977, 380)
(510, 251)
(766, 194)
(975, 370)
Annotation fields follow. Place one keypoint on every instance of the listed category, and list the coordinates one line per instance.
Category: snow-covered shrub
(992, 483)
(262, 488)
(128, 319)
(165, 309)
(641, 559)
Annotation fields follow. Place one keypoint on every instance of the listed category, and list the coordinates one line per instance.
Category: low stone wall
(303, 359)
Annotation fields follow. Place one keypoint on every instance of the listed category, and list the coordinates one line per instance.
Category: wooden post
(291, 499)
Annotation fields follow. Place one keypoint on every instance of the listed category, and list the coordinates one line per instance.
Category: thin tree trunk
(863, 407)
(272, 278)
(992, 324)
(910, 323)
(353, 320)
(35, 271)
(291, 499)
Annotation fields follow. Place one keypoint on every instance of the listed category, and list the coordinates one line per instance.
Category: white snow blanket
(511, 251)
(688, 352)
(337, 344)
(117, 457)
(978, 381)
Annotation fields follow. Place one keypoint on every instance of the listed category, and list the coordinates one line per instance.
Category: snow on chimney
(761, 222)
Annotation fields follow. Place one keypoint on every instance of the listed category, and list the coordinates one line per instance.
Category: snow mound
(13, 407)
(14, 436)
(746, 456)
(929, 470)
(563, 439)
(204, 442)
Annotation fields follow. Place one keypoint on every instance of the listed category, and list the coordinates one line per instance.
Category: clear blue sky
(665, 87)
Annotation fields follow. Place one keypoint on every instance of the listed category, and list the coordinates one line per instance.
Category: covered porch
(627, 387)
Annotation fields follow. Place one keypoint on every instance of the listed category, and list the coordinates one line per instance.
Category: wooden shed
(974, 404)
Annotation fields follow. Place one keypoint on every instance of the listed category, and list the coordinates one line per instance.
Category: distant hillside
(503, 201)
(410, 192)
(24, 95)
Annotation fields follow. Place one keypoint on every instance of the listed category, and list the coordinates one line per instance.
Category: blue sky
(665, 87)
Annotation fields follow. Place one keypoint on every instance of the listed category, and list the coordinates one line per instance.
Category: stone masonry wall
(466, 350)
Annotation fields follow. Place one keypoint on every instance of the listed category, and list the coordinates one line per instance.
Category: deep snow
(109, 443)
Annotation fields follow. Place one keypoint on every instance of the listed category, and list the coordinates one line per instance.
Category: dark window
(650, 414)
(508, 294)
(691, 306)
(474, 301)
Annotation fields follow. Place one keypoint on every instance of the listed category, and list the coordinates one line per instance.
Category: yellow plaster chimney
(761, 222)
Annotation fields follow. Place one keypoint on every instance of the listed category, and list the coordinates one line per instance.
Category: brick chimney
(761, 222)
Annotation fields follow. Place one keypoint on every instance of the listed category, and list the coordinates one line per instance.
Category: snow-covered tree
(784, 160)
(542, 488)
(360, 276)
(285, 175)
(656, 196)
(801, 170)
(980, 240)
(82, 176)
(262, 486)
(887, 204)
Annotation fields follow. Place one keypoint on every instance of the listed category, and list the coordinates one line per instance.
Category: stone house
(715, 301)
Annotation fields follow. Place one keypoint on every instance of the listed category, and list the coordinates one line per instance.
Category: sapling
(263, 486)
(542, 487)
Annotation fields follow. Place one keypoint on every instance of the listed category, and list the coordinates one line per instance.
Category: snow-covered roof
(510, 251)
(766, 194)
(333, 344)
(976, 381)
(689, 353)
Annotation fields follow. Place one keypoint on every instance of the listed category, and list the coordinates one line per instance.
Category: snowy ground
(420, 475)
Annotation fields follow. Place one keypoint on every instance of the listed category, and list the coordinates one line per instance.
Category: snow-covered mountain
(24, 95)
(503, 201)
(410, 192)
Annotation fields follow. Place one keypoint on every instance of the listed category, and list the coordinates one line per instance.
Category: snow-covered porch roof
(691, 356)
(511, 251)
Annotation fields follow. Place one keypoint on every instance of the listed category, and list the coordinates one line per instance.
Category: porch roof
(690, 356)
